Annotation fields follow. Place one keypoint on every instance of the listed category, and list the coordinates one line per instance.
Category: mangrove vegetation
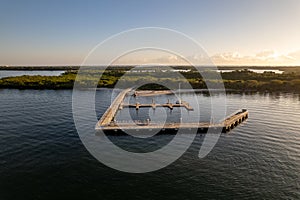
(242, 80)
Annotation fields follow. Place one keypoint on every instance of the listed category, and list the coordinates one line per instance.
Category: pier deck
(110, 113)
(154, 105)
(106, 123)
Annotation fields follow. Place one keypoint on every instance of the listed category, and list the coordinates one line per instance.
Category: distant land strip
(240, 79)
(76, 67)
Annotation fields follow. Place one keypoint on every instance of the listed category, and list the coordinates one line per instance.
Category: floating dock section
(108, 125)
(154, 105)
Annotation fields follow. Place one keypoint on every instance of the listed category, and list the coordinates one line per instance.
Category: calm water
(42, 157)
(10, 73)
(259, 71)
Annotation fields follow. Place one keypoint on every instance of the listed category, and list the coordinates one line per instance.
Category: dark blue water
(42, 157)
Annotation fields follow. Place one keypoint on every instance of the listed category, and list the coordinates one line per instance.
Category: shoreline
(127, 67)
(205, 91)
(239, 80)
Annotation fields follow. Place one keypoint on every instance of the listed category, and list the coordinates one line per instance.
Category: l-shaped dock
(108, 124)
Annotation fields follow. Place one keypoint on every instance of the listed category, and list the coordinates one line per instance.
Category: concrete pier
(147, 93)
(107, 123)
(110, 113)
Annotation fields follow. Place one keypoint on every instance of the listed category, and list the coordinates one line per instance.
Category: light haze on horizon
(233, 32)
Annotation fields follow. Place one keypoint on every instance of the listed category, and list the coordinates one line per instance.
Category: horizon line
(145, 65)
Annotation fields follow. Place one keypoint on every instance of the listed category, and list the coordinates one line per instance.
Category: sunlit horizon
(233, 33)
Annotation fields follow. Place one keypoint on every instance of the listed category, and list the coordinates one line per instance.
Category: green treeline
(243, 80)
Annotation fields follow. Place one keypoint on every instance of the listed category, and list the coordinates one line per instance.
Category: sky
(232, 32)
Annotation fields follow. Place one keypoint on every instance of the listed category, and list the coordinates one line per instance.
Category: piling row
(154, 105)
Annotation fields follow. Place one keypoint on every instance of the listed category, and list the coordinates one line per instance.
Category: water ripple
(41, 155)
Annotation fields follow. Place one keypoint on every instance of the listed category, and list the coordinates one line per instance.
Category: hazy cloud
(295, 55)
(266, 57)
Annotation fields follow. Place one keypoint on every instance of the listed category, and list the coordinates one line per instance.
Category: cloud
(166, 59)
(144, 59)
(228, 56)
(266, 57)
(265, 54)
(295, 55)
(163, 58)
